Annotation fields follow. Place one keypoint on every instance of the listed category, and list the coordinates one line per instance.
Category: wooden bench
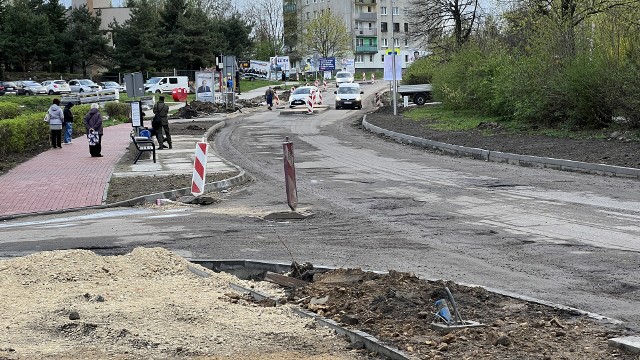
(143, 144)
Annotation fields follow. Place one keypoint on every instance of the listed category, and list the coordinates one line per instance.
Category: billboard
(349, 65)
(204, 86)
(388, 65)
(327, 64)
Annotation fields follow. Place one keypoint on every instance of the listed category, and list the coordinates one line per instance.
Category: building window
(383, 26)
(371, 42)
(396, 27)
(370, 58)
(383, 10)
(382, 57)
(359, 42)
(395, 10)
(359, 59)
(406, 27)
(308, 16)
(384, 43)
(396, 43)
(406, 42)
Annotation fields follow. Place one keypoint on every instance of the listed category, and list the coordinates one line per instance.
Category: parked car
(56, 87)
(349, 95)
(112, 85)
(8, 87)
(252, 76)
(30, 87)
(343, 77)
(83, 85)
(300, 95)
(166, 84)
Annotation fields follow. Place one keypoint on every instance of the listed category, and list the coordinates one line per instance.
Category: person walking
(93, 124)
(56, 119)
(68, 123)
(161, 110)
(269, 96)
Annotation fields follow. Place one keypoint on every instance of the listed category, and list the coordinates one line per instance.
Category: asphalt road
(563, 237)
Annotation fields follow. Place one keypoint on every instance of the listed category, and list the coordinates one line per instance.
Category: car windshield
(302, 91)
(153, 80)
(343, 75)
(86, 82)
(348, 90)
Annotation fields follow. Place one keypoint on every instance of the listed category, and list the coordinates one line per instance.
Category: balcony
(367, 49)
(366, 2)
(366, 32)
(367, 16)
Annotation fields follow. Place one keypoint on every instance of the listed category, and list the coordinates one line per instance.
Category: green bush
(30, 103)
(8, 110)
(117, 111)
(24, 133)
(421, 71)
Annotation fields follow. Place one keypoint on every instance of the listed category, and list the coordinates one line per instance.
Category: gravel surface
(149, 304)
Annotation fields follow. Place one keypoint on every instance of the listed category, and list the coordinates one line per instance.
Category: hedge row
(9, 110)
(29, 132)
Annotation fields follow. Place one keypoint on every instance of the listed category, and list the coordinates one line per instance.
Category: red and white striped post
(316, 83)
(319, 98)
(290, 174)
(199, 169)
(324, 84)
(364, 77)
(275, 94)
(373, 78)
(309, 105)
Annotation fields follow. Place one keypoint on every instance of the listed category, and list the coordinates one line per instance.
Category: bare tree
(435, 22)
(268, 21)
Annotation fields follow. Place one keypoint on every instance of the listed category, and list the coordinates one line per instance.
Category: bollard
(290, 174)
(364, 77)
(373, 78)
(309, 105)
(319, 98)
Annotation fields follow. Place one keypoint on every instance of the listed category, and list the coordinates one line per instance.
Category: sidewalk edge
(509, 158)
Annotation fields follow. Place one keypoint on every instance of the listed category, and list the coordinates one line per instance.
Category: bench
(143, 144)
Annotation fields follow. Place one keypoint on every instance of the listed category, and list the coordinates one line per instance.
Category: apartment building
(377, 26)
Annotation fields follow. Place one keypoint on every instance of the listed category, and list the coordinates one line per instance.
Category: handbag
(93, 137)
(47, 117)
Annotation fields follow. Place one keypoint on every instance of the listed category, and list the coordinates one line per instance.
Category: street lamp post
(393, 61)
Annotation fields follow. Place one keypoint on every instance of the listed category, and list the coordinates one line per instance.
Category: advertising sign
(204, 86)
(388, 65)
(327, 64)
(260, 66)
(349, 65)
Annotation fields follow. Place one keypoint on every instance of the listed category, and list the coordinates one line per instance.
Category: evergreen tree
(90, 46)
(137, 46)
(57, 52)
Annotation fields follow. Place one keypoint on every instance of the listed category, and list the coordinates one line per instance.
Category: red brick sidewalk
(63, 178)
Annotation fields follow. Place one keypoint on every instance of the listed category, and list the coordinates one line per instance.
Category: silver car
(83, 85)
(29, 87)
(56, 87)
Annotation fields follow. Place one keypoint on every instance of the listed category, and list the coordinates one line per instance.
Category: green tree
(56, 16)
(327, 36)
(232, 36)
(90, 45)
(136, 42)
(26, 35)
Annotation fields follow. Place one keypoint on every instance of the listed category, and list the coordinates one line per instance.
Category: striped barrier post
(275, 94)
(314, 96)
(309, 105)
(377, 99)
(324, 84)
(319, 98)
(199, 169)
(373, 78)
(364, 77)
(290, 174)
(316, 83)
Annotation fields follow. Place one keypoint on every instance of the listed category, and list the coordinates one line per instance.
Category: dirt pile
(398, 308)
(148, 304)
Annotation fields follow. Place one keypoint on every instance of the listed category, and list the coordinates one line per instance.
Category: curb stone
(628, 343)
(509, 158)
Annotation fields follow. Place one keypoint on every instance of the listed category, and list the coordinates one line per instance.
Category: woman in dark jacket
(93, 123)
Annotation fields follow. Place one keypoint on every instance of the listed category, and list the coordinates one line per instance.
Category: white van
(166, 84)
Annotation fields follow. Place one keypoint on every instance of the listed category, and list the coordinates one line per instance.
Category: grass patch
(438, 118)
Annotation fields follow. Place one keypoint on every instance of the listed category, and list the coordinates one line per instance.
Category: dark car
(30, 87)
(7, 87)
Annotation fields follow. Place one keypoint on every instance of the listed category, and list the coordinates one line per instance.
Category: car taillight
(55, 86)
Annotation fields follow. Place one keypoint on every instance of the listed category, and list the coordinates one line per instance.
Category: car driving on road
(349, 95)
(299, 95)
(343, 77)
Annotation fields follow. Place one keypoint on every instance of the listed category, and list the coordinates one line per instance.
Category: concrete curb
(280, 267)
(628, 343)
(502, 157)
(370, 342)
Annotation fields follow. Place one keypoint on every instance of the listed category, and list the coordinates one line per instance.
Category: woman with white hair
(93, 123)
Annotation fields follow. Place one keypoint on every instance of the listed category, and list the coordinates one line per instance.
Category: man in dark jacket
(162, 110)
(67, 126)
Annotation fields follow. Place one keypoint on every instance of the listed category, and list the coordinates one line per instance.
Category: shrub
(9, 110)
(24, 133)
(117, 111)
